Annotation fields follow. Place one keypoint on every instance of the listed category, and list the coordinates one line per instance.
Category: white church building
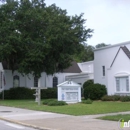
(78, 72)
(111, 67)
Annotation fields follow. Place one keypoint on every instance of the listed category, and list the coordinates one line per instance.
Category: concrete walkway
(53, 121)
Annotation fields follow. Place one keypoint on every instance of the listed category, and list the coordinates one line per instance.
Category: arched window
(35, 81)
(16, 81)
(55, 81)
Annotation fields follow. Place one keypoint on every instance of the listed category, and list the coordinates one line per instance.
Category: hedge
(27, 93)
(19, 93)
(95, 91)
(49, 93)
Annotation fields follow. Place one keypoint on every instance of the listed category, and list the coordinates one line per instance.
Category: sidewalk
(53, 121)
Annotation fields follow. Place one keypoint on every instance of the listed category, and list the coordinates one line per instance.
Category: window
(122, 84)
(35, 81)
(103, 70)
(55, 81)
(16, 81)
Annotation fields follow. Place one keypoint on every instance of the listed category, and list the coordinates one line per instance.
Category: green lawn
(97, 107)
(126, 117)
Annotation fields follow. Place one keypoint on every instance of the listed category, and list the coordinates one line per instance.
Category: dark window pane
(55, 81)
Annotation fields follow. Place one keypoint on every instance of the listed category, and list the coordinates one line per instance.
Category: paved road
(53, 121)
(10, 126)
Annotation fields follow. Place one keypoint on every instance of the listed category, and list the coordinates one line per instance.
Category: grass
(126, 117)
(97, 107)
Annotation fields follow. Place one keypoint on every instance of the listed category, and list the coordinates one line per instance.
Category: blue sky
(110, 19)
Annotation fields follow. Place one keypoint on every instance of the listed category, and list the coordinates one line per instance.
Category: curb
(24, 124)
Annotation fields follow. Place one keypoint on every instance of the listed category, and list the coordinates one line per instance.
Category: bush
(6, 94)
(95, 91)
(125, 98)
(27, 93)
(88, 101)
(87, 83)
(111, 98)
(19, 93)
(53, 102)
(45, 102)
(49, 93)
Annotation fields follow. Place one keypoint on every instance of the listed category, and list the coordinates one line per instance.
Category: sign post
(38, 94)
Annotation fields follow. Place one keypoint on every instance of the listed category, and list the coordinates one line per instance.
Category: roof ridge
(126, 51)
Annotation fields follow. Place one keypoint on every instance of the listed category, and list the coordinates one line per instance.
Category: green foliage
(125, 117)
(6, 94)
(95, 91)
(36, 38)
(46, 101)
(53, 102)
(111, 98)
(87, 83)
(125, 98)
(19, 93)
(87, 53)
(115, 98)
(76, 109)
(88, 101)
(100, 45)
(49, 93)
(57, 103)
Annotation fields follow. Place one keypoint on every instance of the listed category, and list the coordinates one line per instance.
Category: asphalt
(53, 121)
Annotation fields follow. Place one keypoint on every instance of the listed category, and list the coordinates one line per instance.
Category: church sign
(69, 91)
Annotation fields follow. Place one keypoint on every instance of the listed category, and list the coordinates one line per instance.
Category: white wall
(47, 80)
(8, 79)
(120, 67)
(80, 78)
(60, 76)
(104, 57)
(1, 67)
(25, 81)
(86, 66)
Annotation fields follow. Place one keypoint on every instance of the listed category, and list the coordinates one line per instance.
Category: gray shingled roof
(126, 51)
(74, 68)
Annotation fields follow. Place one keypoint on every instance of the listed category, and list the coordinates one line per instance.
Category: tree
(100, 45)
(36, 38)
(86, 54)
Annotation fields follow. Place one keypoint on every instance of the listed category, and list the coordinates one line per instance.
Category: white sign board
(69, 92)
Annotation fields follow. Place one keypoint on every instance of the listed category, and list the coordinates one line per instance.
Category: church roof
(74, 68)
(125, 50)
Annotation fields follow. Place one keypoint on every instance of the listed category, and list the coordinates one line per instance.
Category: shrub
(49, 93)
(125, 98)
(95, 91)
(87, 83)
(116, 97)
(45, 102)
(19, 93)
(6, 94)
(88, 101)
(110, 98)
(56, 103)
